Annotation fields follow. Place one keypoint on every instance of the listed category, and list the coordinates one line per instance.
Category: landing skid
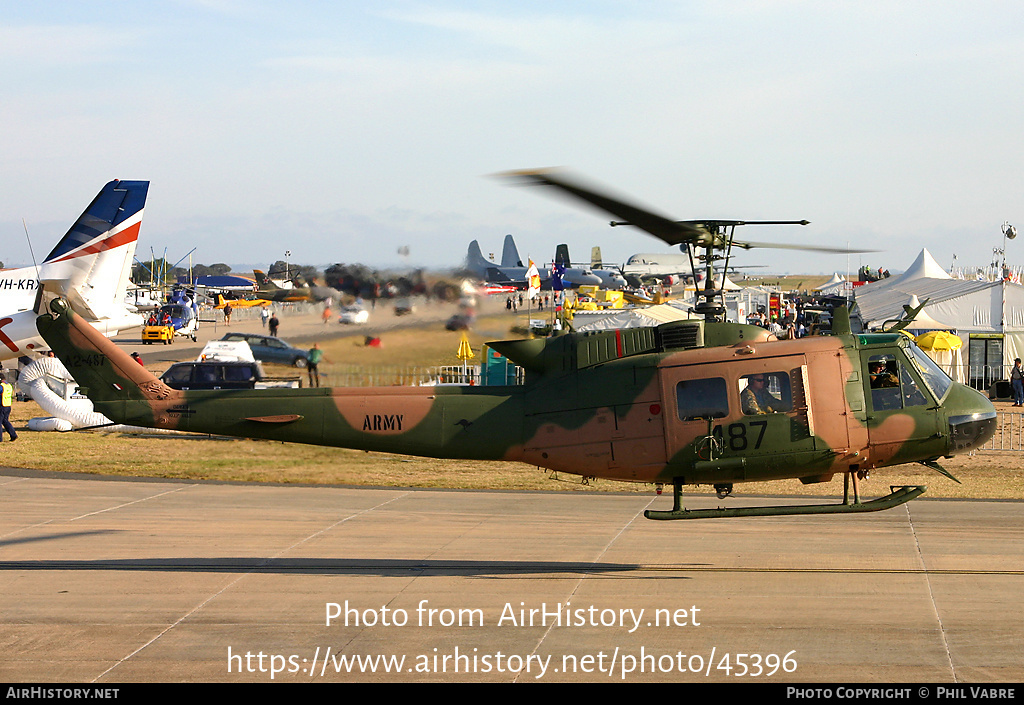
(898, 495)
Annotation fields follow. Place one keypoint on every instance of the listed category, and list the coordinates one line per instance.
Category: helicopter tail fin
(120, 388)
(263, 282)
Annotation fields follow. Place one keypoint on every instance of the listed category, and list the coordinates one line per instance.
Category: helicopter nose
(972, 419)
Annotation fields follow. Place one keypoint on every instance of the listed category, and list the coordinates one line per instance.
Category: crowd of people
(797, 318)
(866, 274)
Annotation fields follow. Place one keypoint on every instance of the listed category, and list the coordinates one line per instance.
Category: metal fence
(358, 376)
(984, 376)
(1009, 432)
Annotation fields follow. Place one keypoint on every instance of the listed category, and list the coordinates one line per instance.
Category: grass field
(984, 475)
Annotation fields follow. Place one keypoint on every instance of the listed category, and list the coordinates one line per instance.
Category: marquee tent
(989, 316)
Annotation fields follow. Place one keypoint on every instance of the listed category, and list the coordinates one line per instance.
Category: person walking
(273, 323)
(1017, 382)
(6, 399)
(313, 358)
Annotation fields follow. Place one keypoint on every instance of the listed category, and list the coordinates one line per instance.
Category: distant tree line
(159, 271)
(360, 280)
(296, 273)
(356, 280)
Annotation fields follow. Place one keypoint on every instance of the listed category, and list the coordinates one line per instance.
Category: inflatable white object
(43, 379)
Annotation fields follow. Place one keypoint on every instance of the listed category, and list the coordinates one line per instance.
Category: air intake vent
(681, 335)
(597, 347)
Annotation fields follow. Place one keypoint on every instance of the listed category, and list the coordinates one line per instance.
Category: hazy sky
(344, 130)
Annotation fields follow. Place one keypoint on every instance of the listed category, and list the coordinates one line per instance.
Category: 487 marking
(737, 435)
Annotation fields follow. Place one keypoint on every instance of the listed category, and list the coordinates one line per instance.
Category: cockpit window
(884, 370)
(912, 394)
(892, 385)
(933, 376)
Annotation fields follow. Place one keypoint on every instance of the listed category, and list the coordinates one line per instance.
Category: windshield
(933, 376)
(177, 311)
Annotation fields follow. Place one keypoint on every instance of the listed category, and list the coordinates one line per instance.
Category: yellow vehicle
(163, 334)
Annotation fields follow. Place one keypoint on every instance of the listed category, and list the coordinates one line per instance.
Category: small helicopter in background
(698, 402)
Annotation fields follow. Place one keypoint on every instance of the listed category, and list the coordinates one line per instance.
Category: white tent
(837, 285)
(729, 285)
(629, 317)
(989, 316)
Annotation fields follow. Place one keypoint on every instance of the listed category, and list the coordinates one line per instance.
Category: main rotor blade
(666, 229)
(810, 248)
(703, 233)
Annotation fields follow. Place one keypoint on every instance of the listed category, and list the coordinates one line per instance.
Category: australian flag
(557, 272)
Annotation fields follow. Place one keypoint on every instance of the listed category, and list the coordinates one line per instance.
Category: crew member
(756, 399)
(882, 378)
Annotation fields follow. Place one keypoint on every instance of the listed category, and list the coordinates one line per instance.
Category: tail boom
(438, 422)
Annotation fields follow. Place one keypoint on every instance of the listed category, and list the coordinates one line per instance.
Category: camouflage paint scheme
(606, 404)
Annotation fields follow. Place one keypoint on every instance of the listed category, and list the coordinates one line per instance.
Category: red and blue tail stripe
(111, 220)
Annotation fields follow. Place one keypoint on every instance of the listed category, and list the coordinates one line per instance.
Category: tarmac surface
(111, 580)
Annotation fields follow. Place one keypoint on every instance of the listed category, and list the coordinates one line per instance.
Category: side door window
(237, 373)
(179, 376)
(702, 399)
(765, 393)
(208, 375)
(258, 346)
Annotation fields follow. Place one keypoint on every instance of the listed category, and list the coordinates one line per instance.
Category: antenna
(30, 250)
(39, 284)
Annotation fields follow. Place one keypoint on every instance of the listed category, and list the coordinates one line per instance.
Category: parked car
(266, 348)
(404, 307)
(459, 321)
(354, 314)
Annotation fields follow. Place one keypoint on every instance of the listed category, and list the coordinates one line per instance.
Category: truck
(224, 365)
(222, 374)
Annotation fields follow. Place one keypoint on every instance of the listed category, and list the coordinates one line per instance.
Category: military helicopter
(685, 403)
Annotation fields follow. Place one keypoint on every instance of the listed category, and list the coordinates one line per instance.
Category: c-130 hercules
(685, 403)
